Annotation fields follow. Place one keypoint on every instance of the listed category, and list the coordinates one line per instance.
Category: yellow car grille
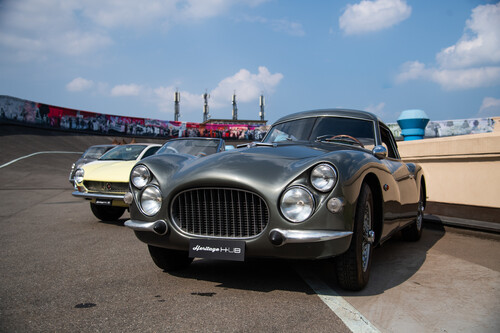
(106, 187)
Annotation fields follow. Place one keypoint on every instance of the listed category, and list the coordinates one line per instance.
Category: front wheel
(107, 213)
(169, 260)
(353, 266)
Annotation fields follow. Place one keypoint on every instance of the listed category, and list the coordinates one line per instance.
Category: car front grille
(220, 212)
(106, 187)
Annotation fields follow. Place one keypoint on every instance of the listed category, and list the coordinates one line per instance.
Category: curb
(463, 223)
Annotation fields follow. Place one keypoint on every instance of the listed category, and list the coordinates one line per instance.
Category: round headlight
(79, 175)
(297, 204)
(150, 200)
(140, 176)
(323, 177)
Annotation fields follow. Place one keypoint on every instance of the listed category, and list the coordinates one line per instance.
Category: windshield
(191, 147)
(323, 129)
(124, 153)
(295, 130)
(95, 152)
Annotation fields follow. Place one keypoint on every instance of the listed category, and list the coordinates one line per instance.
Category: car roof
(195, 138)
(110, 145)
(140, 144)
(348, 113)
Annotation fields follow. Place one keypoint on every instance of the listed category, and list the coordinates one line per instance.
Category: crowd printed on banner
(443, 128)
(43, 115)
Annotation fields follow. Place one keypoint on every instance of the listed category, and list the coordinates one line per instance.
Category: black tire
(353, 266)
(169, 260)
(107, 213)
(413, 232)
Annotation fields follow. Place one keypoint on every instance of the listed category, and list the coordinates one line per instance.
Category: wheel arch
(378, 207)
(424, 188)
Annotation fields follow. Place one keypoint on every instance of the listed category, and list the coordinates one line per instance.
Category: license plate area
(220, 249)
(102, 202)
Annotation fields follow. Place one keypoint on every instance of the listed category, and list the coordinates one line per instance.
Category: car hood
(257, 168)
(110, 171)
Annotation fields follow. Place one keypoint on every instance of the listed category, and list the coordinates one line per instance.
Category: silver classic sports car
(321, 184)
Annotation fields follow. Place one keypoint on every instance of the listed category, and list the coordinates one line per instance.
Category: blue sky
(128, 57)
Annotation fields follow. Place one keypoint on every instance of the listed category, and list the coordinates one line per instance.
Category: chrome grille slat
(219, 212)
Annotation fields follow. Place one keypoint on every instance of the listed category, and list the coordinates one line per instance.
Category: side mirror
(379, 152)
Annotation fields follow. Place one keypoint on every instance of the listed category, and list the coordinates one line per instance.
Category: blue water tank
(412, 123)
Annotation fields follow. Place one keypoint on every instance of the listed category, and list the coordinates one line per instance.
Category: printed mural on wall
(38, 114)
(43, 115)
(437, 129)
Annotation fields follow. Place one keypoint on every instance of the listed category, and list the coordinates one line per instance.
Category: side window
(151, 151)
(388, 142)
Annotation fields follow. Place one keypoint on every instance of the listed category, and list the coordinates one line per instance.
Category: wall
(460, 170)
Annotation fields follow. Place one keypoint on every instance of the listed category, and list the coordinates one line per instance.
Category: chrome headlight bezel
(140, 176)
(297, 204)
(323, 177)
(78, 177)
(150, 200)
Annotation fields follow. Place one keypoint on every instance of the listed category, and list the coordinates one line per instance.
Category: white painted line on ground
(351, 317)
(38, 153)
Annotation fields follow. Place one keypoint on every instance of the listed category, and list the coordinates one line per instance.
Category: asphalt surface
(63, 270)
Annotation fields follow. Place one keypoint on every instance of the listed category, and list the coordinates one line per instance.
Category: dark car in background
(193, 146)
(91, 154)
(322, 184)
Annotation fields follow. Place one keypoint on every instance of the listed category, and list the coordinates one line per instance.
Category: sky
(128, 57)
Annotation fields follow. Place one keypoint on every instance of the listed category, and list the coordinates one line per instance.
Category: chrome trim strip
(309, 236)
(147, 226)
(97, 195)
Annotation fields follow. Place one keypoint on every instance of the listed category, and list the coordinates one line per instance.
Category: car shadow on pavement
(394, 262)
(261, 275)
(118, 223)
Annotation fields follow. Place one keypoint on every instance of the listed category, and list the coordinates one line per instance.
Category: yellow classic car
(104, 182)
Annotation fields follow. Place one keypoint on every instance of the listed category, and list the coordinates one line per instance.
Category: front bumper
(277, 242)
(87, 195)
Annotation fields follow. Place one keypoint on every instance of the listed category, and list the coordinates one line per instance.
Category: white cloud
(480, 44)
(470, 63)
(247, 86)
(126, 90)
(369, 16)
(490, 107)
(468, 78)
(34, 30)
(189, 103)
(451, 79)
(79, 84)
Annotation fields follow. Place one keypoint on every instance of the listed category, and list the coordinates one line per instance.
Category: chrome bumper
(159, 227)
(277, 237)
(281, 237)
(98, 195)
